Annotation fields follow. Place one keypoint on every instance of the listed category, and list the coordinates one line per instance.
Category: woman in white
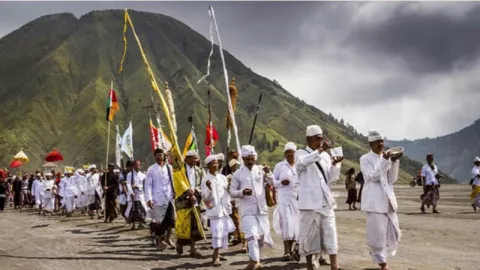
(49, 191)
(217, 200)
(286, 214)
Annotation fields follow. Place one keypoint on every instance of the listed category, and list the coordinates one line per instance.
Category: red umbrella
(15, 164)
(54, 156)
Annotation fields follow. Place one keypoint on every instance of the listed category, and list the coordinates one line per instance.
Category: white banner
(127, 141)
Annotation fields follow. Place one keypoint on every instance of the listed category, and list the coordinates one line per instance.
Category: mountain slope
(55, 94)
(454, 153)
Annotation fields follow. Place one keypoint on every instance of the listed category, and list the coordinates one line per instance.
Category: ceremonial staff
(210, 124)
(255, 119)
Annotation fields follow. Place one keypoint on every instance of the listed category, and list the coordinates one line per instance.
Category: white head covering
(314, 130)
(192, 153)
(116, 171)
(248, 150)
(220, 156)
(80, 171)
(290, 146)
(38, 174)
(233, 162)
(477, 159)
(93, 166)
(210, 159)
(48, 174)
(375, 135)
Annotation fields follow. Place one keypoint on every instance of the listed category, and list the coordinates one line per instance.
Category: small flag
(127, 141)
(210, 138)
(159, 140)
(190, 144)
(112, 105)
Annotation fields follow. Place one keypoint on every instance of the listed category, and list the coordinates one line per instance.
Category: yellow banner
(180, 180)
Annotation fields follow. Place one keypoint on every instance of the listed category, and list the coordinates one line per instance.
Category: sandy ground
(449, 240)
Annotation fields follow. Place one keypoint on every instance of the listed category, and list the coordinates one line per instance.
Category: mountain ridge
(454, 152)
(67, 86)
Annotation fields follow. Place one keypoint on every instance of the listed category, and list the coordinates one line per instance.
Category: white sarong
(383, 235)
(69, 204)
(257, 232)
(220, 228)
(49, 204)
(318, 233)
(285, 219)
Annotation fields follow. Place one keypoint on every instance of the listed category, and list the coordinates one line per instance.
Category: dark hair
(129, 163)
(158, 151)
(350, 171)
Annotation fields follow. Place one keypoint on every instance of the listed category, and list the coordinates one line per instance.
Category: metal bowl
(395, 151)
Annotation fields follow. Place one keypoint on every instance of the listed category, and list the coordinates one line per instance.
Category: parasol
(54, 156)
(20, 156)
(15, 164)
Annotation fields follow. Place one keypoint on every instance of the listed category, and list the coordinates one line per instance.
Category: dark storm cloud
(426, 42)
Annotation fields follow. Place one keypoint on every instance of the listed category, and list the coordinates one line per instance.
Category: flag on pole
(190, 144)
(159, 140)
(127, 141)
(118, 150)
(112, 105)
(210, 139)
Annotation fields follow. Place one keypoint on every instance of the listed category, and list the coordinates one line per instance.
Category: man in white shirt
(475, 195)
(248, 185)
(137, 208)
(431, 185)
(380, 171)
(68, 190)
(37, 192)
(94, 192)
(217, 201)
(286, 214)
(81, 201)
(49, 191)
(160, 198)
(315, 200)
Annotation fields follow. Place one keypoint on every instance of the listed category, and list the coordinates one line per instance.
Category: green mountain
(56, 72)
(454, 153)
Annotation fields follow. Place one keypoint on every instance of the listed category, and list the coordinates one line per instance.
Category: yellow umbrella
(20, 156)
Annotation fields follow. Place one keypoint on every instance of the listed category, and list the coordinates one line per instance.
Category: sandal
(217, 263)
(296, 252)
(287, 257)
(322, 261)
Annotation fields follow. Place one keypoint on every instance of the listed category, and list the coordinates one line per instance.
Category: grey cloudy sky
(409, 68)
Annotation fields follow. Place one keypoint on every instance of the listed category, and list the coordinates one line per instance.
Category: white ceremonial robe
(380, 204)
(82, 186)
(475, 173)
(316, 203)
(219, 209)
(159, 190)
(286, 215)
(68, 190)
(138, 180)
(253, 209)
(94, 187)
(37, 192)
(48, 196)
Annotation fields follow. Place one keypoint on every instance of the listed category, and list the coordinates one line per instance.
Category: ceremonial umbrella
(15, 164)
(54, 156)
(20, 156)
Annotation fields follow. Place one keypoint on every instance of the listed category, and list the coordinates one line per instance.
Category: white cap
(38, 174)
(248, 150)
(192, 153)
(233, 162)
(49, 174)
(290, 146)
(93, 166)
(80, 171)
(220, 156)
(477, 159)
(314, 130)
(210, 159)
(374, 135)
(116, 171)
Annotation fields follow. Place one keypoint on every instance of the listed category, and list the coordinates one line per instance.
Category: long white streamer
(211, 13)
